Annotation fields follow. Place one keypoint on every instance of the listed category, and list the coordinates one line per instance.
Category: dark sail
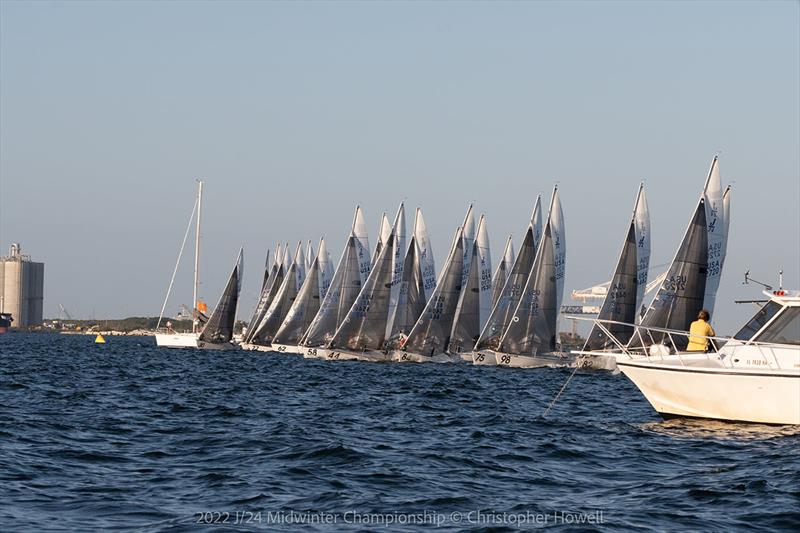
(532, 330)
(620, 302)
(303, 309)
(431, 333)
(510, 296)
(267, 295)
(466, 324)
(364, 328)
(278, 309)
(680, 297)
(411, 297)
(344, 289)
(219, 327)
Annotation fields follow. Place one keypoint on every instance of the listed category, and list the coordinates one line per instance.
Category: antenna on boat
(780, 279)
(748, 279)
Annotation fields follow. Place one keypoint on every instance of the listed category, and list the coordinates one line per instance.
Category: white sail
(536, 222)
(726, 213)
(302, 310)
(641, 221)
(425, 253)
(279, 254)
(469, 239)
(300, 265)
(501, 273)
(287, 259)
(431, 334)
(362, 244)
(325, 269)
(399, 231)
(485, 274)
(717, 234)
(309, 255)
(344, 288)
(384, 230)
(556, 219)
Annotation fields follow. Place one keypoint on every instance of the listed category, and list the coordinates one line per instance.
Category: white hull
(189, 340)
(483, 357)
(287, 348)
(723, 393)
(597, 360)
(400, 356)
(539, 361)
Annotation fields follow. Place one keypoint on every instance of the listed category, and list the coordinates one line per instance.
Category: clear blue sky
(295, 112)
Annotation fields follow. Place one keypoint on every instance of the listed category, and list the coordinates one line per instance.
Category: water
(128, 436)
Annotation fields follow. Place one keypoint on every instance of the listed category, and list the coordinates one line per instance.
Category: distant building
(21, 288)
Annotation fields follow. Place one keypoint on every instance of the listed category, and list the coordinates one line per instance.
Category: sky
(293, 113)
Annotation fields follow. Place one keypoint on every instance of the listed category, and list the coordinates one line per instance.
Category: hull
(400, 356)
(330, 354)
(189, 340)
(723, 394)
(483, 357)
(287, 348)
(538, 361)
(597, 360)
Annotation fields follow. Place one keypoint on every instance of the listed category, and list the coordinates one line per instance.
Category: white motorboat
(752, 377)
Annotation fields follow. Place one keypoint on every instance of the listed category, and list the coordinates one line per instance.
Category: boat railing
(656, 343)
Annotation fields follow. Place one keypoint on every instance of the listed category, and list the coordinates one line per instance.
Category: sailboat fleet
(388, 305)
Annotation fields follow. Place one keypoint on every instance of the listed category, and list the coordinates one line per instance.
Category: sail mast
(197, 255)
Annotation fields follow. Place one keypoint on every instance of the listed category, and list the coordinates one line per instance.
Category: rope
(178, 262)
(563, 387)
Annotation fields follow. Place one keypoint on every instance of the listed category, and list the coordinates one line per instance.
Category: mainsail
(534, 327)
(364, 328)
(509, 298)
(500, 275)
(362, 244)
(626, 289)
(474, 303)
(325, 269)
(431, 334)
(266, 271)
(411, 300)
(398, 260)
(265, 300)
(469, 240)
(219, 327)
(344, 287)
(302, 310)
(276, 313)
(717, 226)
(384, 229)
(309, 255)
(425, 252)
(680, 297)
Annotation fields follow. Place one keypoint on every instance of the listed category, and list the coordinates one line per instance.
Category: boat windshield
(763, 316)
(785, 329)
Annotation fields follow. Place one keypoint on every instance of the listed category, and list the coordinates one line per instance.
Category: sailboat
(503, 309)
(306, 305)
(217, 332)
(362, 334)
(412, 294)
(689, 286)
(280, 305)
(626, 290)
(352, 271)
(268, 291)
(474, 302)
(428, 340)
(531, 338)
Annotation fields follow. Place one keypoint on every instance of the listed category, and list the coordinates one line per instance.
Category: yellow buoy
(99, 339)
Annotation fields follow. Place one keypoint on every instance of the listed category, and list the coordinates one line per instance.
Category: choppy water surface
(126, 435)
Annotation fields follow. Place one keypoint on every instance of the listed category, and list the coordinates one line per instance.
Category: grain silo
(21, 288)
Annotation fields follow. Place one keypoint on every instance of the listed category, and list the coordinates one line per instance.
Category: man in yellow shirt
(700, 328)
